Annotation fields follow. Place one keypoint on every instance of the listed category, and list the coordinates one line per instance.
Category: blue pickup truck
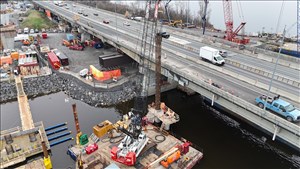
(279, 106)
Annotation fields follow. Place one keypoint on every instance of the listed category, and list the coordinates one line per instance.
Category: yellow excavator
(173, 23)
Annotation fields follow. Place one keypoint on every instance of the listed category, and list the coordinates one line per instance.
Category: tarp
(5, 59)
(104, 75)
(48, 13)
(70, 37)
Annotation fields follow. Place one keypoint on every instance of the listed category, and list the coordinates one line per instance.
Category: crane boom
(230, 34)
(227, 7)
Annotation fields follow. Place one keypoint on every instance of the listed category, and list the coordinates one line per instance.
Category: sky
(257, 14)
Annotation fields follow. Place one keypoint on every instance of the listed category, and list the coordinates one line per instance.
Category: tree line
(178, 10)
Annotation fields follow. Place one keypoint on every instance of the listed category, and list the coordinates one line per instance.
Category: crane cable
(280, 16)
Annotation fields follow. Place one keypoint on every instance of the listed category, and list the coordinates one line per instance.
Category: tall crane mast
(228, 17)
(204, 16)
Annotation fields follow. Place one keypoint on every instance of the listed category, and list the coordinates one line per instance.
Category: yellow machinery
(47, 160)
(106, 126)
(176, 23)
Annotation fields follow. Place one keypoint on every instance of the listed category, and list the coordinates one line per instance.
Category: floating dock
(159, 143)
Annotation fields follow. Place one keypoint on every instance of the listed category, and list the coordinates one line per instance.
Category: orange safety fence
(104, 75)
(5, 59)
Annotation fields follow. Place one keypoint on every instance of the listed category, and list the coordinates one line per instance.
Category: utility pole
(270, 85)
(158, 39)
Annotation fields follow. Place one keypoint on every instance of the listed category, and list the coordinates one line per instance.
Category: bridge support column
(212, 100)
(275, 132)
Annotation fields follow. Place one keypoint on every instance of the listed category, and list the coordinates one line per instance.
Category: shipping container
(53, 60)
(113, 61)
(64, 60)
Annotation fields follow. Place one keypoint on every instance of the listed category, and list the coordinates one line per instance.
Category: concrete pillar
(167, 127)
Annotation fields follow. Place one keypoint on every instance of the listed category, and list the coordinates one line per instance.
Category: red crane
(230, 34)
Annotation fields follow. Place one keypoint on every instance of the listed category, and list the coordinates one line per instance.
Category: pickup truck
(279, 106)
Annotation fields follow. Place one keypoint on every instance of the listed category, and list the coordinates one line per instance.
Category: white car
(31, 31)
(74, 5)
(126, 23)
(26, 30)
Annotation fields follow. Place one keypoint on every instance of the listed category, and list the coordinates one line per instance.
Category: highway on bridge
(133, 32)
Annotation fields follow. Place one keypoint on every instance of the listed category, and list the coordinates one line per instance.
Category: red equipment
(91, 148)
(128, 160)
(54, 61)
(76, 47)
(230, 34)
(44, 35)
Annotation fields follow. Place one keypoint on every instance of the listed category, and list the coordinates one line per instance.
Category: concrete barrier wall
(265, 73)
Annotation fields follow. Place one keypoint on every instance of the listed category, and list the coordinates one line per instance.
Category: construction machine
(230, 34)
(172, 155)
(173, 23)
(132, 144)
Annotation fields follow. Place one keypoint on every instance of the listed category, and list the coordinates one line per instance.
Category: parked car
(85, 14)
(106, 21)
(26, 30)
(126, 23)
(31, 31)
(96, 14)
(36, 31)
(19, 31)
(67, 7)
(74, 5)
(80, 11)
(20, 19)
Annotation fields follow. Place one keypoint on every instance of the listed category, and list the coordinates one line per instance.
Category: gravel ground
(72, 86)
(76, 89)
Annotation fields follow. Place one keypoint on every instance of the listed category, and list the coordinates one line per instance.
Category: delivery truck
(212, 55)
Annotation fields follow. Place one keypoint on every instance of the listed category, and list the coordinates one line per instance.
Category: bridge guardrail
(238, 101)
(232, 44)
(253, 69)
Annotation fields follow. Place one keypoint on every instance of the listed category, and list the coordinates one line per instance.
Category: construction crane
(204, 16)
(135, 140)
(230, 34)
(132, 144)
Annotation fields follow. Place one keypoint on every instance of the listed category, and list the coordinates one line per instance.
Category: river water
(227, 142)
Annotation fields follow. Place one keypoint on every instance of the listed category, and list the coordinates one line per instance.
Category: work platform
(164, 115)
(19, 143)
(16, 144)
(159, 142)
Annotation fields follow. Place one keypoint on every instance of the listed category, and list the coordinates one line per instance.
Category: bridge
(241, 80)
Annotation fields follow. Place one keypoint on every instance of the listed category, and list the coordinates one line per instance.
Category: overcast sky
(257, 14)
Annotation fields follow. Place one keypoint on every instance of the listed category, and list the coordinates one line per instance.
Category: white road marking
(177, 40)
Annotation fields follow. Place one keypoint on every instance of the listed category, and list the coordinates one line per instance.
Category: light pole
(270, 85)
(116, 21)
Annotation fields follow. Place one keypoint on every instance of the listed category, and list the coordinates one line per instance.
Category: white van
(26, 30)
